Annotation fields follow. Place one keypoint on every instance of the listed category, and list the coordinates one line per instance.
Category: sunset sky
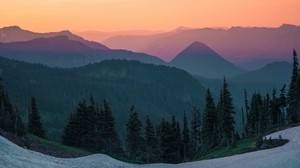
(113, 15)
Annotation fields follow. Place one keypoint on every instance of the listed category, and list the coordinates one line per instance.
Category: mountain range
(60, 49)
(16, 34)
(68, 51)
(240, 45)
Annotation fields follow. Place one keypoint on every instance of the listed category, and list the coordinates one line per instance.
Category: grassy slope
(244, 146)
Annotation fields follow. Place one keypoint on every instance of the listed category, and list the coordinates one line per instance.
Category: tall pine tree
(195, 130)
(227, 119)
(292, 101)
(34, 120)
(210, 123)
(185, 138)
(134, 138)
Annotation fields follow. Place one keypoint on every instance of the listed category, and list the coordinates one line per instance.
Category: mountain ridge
(15, 34)
(199, 59)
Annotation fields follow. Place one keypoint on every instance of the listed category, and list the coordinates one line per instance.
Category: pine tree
(167, 142)
(10, 119)
(227, 121)
(185, 138)
(151, 141)
(292, 101)
(110, 137)
(34, 123)
(210, 122)
(195, 130)
(134, 139)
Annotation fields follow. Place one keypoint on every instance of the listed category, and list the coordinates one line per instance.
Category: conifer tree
(34, 120)
(151, 141)
(292, 101)
(195, 130)
(10, 119)
(110, 137)
(227, 120)
(167, 142)
(134, 139)
(185, 138)
(210, 122)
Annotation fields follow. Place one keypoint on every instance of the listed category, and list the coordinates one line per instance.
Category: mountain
(15, 34)
(100, 36)
(276, 73)
(199, 59)
(155, 90)
(13, 156)
(61, 51)
(239, 45)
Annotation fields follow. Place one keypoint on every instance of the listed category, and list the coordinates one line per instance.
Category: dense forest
(157, 91)
(173, 139)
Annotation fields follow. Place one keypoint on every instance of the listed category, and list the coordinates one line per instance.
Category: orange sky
(112, 15)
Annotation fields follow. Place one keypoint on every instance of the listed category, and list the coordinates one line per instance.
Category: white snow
(287, 156)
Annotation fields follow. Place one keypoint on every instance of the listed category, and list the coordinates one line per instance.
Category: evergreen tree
(110, 137)
(151, 142)
(34, 120)
(10, 119)
(227, 120)
(167, 142)
(292, 101)
(210, 123)
(195, 130)
(247, 113)
(134, 139)
(185, 139)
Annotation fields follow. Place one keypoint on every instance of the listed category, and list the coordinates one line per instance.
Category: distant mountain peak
(12, 28)
(197, 47)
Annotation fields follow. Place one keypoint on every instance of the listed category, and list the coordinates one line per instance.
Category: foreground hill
(199, 59)
(62, 51)
(13, 156)
(158, 91)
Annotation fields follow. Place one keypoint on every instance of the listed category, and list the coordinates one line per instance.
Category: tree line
(10, 118)
(174, 141)
(92, 126)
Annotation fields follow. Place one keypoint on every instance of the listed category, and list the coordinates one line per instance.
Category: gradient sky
(112, 15)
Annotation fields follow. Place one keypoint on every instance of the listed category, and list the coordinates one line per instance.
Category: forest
(92, 125)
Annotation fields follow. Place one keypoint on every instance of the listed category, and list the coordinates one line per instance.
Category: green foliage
(34, 120)
(158, 91)
(226, 111)
(92, 128)
(151, 141)
(210, 124)
(247, 145)
(134, 136)
(10, 119)
(186, 141)
(293, 98)
(196, 123)
(168, 142)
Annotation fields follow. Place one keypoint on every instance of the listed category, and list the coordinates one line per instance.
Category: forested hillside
(157, 91)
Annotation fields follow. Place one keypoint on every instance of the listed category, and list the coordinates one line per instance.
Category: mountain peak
(11, 28)
(197, 47)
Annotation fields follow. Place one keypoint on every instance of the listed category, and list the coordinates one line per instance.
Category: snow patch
(13, 156)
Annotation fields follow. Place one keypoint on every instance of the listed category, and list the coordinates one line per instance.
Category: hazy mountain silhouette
(60, 51)
(273, 73)
(237, 44)
(100, 36)
(15, 34)
(199, 59)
